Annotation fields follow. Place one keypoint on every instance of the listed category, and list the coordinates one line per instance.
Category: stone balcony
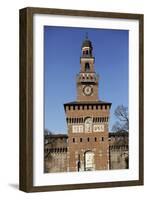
(87, 77)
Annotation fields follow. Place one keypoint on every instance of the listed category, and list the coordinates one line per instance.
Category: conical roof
(87, 43)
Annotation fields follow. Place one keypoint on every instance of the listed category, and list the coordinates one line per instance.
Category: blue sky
(62, 51)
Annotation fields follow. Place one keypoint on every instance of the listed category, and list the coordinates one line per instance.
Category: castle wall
(119, 150)
(56, 162)
(56, 153)
(119, 157)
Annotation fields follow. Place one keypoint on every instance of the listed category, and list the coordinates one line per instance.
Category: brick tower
(87, 120)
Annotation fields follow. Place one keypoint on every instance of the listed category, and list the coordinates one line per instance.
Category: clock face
(88, 90)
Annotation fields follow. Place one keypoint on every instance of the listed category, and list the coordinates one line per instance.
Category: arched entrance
(89, 161)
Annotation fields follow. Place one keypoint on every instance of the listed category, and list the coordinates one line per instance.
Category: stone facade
(56, 152)
(91, 140)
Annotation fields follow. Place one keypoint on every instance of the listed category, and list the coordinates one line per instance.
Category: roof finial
(86, 35)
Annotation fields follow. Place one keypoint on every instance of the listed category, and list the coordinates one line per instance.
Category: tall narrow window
(73, 139)
(87, 67)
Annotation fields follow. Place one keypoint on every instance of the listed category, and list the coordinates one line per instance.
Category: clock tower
(87, 119)
(87, 79)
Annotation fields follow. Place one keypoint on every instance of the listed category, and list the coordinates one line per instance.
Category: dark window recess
(102, 138)
(73, 139)
(80, 139)
(87, 67)
(88, 139)
(95, 139)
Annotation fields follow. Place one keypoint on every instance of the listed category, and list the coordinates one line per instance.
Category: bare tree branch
(121, 113)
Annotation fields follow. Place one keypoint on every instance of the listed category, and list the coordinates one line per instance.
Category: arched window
(84, 52)
(87, 67)
(87, 52)
(88, 125)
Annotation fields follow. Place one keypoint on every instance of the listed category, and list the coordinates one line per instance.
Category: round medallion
(87, 90)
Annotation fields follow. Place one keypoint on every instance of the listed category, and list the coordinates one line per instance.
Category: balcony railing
(87, 77)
